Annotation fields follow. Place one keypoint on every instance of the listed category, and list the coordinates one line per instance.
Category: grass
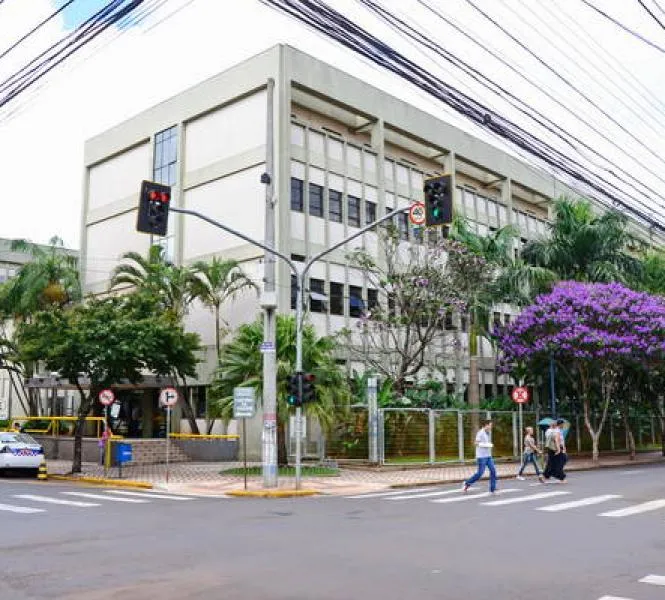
(306, 471)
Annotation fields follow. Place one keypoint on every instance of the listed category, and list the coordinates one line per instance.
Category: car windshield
(16, 438)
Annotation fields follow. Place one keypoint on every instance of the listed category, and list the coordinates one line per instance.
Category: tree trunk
(186, 406)
(282, 454)
(595, 435)
(629, 434)
(84, 410)
(474, 380)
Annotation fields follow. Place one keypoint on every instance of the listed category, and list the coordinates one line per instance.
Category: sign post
(244, 407)
(520, 395)
(373, 419)
(168, 398)
(106, 398)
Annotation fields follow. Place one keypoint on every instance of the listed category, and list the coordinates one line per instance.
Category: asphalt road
(398, 546)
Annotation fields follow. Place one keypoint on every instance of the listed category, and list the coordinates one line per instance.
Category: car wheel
(34, 473)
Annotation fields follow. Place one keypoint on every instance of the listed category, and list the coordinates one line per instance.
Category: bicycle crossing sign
(417, 214)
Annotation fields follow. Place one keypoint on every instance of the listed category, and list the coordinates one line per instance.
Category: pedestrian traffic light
(308, 391)
(438, 194)
(293, 390)
(154, 202)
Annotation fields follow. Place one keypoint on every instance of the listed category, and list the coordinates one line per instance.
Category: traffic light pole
(300, 279)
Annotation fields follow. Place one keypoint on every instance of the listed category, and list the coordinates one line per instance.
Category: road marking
(576, 503)
(632, 472)
(431, 494)
(147, 495)
(614, 598)
(634, 510)
(50, 500)
(380, 494)
(525, 498)
(474, 496)
(654, 579)
(20, 509)
(110, 498)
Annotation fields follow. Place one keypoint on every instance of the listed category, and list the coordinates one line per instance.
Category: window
(336, 298)
(3, 275)
(449, 323)
(388, 169)
(296, 194)
(315, 200)
(372, 299)
(335, 150)
(297, 135)
(464, 323)
(317, 297)
(403, 225)
(294, 292)
(356, 304)
(166, 156)
(335, 206)
(199, 401)
(354, 157)
(370, 162)
(497, 319)
(370, 212)
(298, 257)
(353, 205)
(316, 142)
(506, 318)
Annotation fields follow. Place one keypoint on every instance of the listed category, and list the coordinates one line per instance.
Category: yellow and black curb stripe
(144, 485)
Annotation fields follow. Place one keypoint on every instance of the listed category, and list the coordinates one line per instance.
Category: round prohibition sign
(417, 214)
(168, 397)
(106, 397)
(520, 395)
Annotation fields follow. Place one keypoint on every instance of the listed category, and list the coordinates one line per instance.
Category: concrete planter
(63, 448)
(210, 450)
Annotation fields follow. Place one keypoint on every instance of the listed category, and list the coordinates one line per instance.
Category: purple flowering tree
(595, 333)
(417, 287)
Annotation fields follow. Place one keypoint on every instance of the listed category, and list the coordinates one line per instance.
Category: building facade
(345, 153)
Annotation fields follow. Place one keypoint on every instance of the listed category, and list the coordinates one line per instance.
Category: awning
(319, 297)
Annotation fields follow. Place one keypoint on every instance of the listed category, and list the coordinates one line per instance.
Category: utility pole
(269, 305)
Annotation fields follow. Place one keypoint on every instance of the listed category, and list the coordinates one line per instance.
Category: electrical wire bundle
(610, 185)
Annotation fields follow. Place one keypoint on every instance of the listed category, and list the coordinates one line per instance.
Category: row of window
(354, 207)
(335, 300)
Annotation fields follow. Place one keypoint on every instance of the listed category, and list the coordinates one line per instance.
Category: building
(345, 152)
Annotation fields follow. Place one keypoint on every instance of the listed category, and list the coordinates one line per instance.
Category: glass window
(356, 304)
(388, 169)
(370, 161)
(403, 225)
(165, 156)
(317, 297)
(402, 174)
(506, 318)
(468, 199)
(296, 194)
(370, 212)
(168, 243)
(335, 149)
(315, 200)
(297, 135)
(372, 299)
(298, 257)
(353, 155)
(502, 215)
(316, 142)
(294, 292)
(336, 298)
(417, 183)
(481, 207)
(3, 274)
(335, 206)
(353, 216)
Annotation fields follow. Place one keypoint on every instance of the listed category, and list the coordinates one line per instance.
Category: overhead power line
(622, 26)
(654, 17)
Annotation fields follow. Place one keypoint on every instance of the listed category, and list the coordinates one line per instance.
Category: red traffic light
(164, 197)
(309, 377)
(153, 195)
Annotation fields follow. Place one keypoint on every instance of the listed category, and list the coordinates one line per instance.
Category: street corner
(285, 493)
(102, 481)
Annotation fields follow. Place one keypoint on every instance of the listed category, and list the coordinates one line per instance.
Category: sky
(129, 69)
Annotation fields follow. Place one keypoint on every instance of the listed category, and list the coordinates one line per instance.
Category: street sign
(417, 214)
(520, 395)
(244, 405)
(267, 347)
(106, 397)
(168, 397)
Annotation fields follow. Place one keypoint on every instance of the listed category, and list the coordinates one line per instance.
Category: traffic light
(308, 391)
(293, 391)
(154, 208)
(438, 201)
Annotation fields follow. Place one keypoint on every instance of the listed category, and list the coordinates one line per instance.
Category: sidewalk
(206, 479)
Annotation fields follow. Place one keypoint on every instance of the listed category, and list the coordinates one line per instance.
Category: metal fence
(425, 436)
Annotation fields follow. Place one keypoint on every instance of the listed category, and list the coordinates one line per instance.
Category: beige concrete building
(345, 152)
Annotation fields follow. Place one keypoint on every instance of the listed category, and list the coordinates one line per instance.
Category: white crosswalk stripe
(107, 498)
(614, 598)
(50, 500)
(20, 509)
(654, 580)
(577, 503)
(525, 498)
(393, 493)
(473, 496)
(428, 495)
(149, 495)
(635, 510)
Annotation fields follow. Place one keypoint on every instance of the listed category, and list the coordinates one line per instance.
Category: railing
(55, 425)
(204, 436)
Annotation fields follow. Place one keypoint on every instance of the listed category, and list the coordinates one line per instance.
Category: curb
(271, 493)
(101, 481)
(433, 482)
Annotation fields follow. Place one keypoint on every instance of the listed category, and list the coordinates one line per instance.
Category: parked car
(19, 451)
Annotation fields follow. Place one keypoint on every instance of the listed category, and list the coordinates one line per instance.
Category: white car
(19, 451)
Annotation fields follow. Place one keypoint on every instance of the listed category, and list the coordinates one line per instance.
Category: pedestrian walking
(562, 457)
(555, 446)
(483, 458)
(530, 455)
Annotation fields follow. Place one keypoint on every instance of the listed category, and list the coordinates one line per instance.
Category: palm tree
(51, 279)
(219, 281)
(514, 282)
(584, 246)
(652, 279)
(241, 364)
(175, 286)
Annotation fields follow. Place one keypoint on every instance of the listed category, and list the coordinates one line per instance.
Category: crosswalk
(547, 500)
(28, 504)
(658, 580)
